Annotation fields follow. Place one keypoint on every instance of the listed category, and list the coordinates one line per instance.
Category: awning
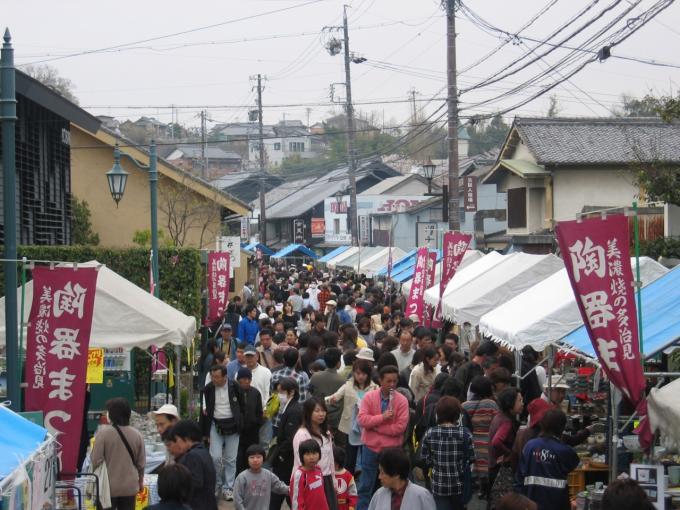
(397, 265)
(124, 315)
(332, 263)
(356, 261)
(469, 258)
(494, 287)
(332, 254)
(259, 246)
(547, 311)
(463, 276)
(295, 250)
(380, 260)
(660, 317)
(19, 438)
(410, 269)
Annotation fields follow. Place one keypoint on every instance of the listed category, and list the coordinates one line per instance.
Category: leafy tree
(142, 238)
(659, 179)
(648, 106)
(486, 135)
(81, 227)
(49, 76)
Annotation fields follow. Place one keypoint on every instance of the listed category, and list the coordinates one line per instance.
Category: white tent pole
(178, 363)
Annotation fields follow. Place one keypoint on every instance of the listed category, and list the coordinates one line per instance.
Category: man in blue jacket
(249, 327)
(546, 463)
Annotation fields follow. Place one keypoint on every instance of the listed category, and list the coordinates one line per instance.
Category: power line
(175, 34)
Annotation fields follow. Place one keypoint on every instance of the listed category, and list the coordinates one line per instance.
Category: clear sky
(403, 41)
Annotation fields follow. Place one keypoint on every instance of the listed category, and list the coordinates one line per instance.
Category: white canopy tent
(469, 258)
(379, 260)
(464, 275)
(517, 273)
(547, 311)
(663, 408)
(124, 315)
(349, 252)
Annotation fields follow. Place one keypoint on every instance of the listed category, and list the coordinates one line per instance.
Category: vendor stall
(295, 251)
(345, 254)
(397, 264)
(332, 254)
(253, 247)
(380, 259)
(355, 262)
(547, 311)
(489, 290)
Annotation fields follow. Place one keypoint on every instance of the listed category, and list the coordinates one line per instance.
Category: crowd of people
(320, 391)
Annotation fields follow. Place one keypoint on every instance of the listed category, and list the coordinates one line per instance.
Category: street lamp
(117, 179)
(338, 198)
(428, 173)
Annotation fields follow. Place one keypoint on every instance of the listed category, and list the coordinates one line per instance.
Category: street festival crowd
(317, 390)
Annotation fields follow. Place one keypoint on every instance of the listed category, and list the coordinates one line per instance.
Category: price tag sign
(95, 366)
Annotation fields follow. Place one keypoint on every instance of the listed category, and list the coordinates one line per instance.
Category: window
(296, 146)
(277, 146)
(517, 208)
(336, 226)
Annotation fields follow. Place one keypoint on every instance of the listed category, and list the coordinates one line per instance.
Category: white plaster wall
(576, 188)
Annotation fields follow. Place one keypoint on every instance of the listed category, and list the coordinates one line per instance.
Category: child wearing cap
(254, 486)
(252, 417)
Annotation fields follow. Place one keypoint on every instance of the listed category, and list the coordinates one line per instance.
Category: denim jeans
(369, 475)
(266, 434)
(224, 450)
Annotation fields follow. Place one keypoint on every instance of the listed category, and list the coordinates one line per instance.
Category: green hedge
(181, 273)
(664, 247)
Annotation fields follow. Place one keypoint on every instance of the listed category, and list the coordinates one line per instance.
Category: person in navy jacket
(546, 463)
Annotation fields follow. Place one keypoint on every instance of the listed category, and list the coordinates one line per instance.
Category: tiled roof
(603, 141)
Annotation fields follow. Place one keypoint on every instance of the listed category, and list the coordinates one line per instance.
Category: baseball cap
(250, 351)
(167, 409)
(332, 302)
(366, 353)
(226, 325)
(556, 381)
(537, 409)
(244, 373)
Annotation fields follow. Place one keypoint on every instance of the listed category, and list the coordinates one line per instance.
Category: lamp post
(117, 178)
(8, 119)
(428, 172)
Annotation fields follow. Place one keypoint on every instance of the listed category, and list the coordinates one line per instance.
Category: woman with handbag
(502, 432)
(447, 449)
(122, 448)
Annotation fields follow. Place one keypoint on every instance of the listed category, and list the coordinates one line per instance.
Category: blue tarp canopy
(293, 250)
(406, 273)
(660, 317)
(19, 438)
(331, 255)
(255, 246)
(399, 265)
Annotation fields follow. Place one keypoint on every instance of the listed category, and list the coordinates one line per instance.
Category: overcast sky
(403, 41)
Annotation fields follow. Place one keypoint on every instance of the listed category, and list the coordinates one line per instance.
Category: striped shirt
(481, 413)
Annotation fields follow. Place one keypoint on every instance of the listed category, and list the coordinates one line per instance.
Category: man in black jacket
(252, 416)
(221, 421)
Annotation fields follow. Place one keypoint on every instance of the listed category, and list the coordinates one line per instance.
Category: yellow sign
(95, 366)
(142, 500)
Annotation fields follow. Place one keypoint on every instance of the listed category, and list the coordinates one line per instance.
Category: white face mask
(283, 398)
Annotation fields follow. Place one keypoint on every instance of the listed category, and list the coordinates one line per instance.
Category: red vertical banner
(429, 282)
(218, 284)
(414, 306)
(455, 246)
(596, 254)
(57, 345)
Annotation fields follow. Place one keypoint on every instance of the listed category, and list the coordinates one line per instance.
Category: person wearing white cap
(165, 417)
(557, 386)
(332, 318)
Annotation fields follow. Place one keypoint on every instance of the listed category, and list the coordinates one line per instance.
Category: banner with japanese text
(218, 284)
(430, 273)
(57, 352)
(596, 253)
(455, 245)
(421, 274)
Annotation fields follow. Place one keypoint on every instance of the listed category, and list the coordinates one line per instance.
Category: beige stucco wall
(91, 159)
(575, 188)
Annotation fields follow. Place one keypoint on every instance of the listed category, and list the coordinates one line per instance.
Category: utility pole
(414, 112)
(204, 168)
(350, 137)
(452, 100)
(262, 221)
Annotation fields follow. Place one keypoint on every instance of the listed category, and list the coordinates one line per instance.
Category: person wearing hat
(227, 342)
(536, 410)
(165, 417)
(332, 318)
(261, 377)
(555, 390)
(251, 404)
